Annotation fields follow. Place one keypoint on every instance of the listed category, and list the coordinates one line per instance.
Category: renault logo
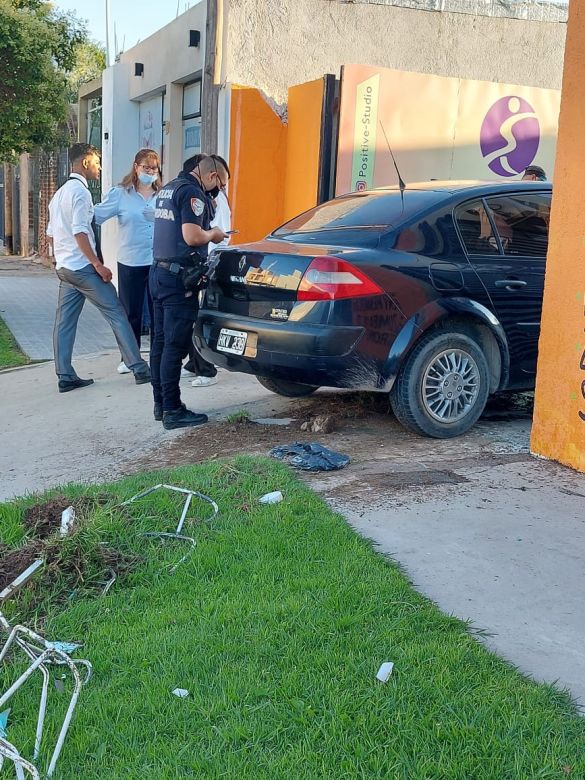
(242, 264)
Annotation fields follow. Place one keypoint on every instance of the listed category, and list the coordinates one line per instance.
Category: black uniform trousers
(172, 331)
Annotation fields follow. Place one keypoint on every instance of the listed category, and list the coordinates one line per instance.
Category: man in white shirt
(82, 273)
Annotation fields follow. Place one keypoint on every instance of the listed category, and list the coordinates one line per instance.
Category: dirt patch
(225, 439)
(74, 567)
(73, 564)
(41, 520)
(218, 440)
(363, 428)
(14, 562)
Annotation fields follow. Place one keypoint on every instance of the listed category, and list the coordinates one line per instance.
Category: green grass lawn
(10, 354)
(277, 625)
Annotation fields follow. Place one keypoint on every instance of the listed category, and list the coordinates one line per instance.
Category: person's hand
(217, 235)
(104, 272)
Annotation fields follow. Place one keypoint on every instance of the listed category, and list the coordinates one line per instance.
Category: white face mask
(147, 178)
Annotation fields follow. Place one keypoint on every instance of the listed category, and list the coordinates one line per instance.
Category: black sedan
(432, 294)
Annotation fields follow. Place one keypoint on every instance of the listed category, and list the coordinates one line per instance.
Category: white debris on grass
(385, 671)
(67, 520)
(272, 498)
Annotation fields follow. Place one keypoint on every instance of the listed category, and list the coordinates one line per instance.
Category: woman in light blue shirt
(132, 202)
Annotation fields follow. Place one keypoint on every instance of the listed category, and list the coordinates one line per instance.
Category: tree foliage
(90, 61)
(38, 48)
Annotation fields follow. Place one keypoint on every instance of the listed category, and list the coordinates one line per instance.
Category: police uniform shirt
(181, 201)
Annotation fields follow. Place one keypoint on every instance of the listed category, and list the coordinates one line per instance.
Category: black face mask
(214, 192)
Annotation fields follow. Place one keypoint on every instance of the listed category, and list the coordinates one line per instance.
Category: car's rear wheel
(443, 386)
(288, 389)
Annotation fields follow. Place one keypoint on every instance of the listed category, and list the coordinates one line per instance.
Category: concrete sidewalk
(27, 306)
(48, 439)
(486, 531)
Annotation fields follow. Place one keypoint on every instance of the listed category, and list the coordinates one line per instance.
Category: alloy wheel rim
(450, 385)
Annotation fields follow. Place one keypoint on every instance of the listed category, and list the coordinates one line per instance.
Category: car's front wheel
(443, 385)
(288, 389)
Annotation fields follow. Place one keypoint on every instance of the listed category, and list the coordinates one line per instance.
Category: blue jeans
(175, 313)
(75, 288)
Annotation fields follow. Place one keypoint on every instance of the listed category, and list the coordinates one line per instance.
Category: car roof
(477, 187)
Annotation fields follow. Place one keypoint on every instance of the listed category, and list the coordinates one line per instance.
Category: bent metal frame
(41, 655)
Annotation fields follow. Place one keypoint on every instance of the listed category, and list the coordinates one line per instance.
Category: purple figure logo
(510, 135)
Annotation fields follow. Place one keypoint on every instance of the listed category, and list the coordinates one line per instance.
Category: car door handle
(510, 284)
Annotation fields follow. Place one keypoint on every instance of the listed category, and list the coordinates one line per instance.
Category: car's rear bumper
(323, 355)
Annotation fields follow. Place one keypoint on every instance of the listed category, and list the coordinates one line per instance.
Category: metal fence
(530, 10)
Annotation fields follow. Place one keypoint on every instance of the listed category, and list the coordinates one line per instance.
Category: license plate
(232, 341)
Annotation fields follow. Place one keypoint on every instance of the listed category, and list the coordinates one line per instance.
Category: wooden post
(209, 98)
(8, 174)
(24, 210)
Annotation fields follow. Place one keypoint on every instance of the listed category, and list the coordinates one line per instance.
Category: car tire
(287, 389)
(443, 385)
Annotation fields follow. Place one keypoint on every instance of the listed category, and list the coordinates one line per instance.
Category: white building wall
(273, 44)
(168, 62)
(120, 123)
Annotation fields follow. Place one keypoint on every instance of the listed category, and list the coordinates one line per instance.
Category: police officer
(183, 213)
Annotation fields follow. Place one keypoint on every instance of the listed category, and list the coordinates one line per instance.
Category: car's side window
(522, 222)
(476, 229)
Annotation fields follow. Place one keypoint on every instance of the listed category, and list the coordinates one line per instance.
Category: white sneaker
(204, 381)
(123, 368)
(185, 373)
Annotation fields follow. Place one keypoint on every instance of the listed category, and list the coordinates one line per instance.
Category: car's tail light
(329, 278)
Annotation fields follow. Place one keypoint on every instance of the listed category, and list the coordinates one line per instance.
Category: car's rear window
(370, 210)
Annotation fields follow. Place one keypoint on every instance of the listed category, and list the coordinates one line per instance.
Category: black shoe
(65, 385)
(142, 377)
(158, 411)
(182, 418)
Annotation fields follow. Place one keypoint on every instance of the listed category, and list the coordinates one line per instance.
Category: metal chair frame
(41, 654)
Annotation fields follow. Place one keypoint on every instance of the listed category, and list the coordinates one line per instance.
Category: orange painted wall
(305, 103)
(257, 162)
(559, 417)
